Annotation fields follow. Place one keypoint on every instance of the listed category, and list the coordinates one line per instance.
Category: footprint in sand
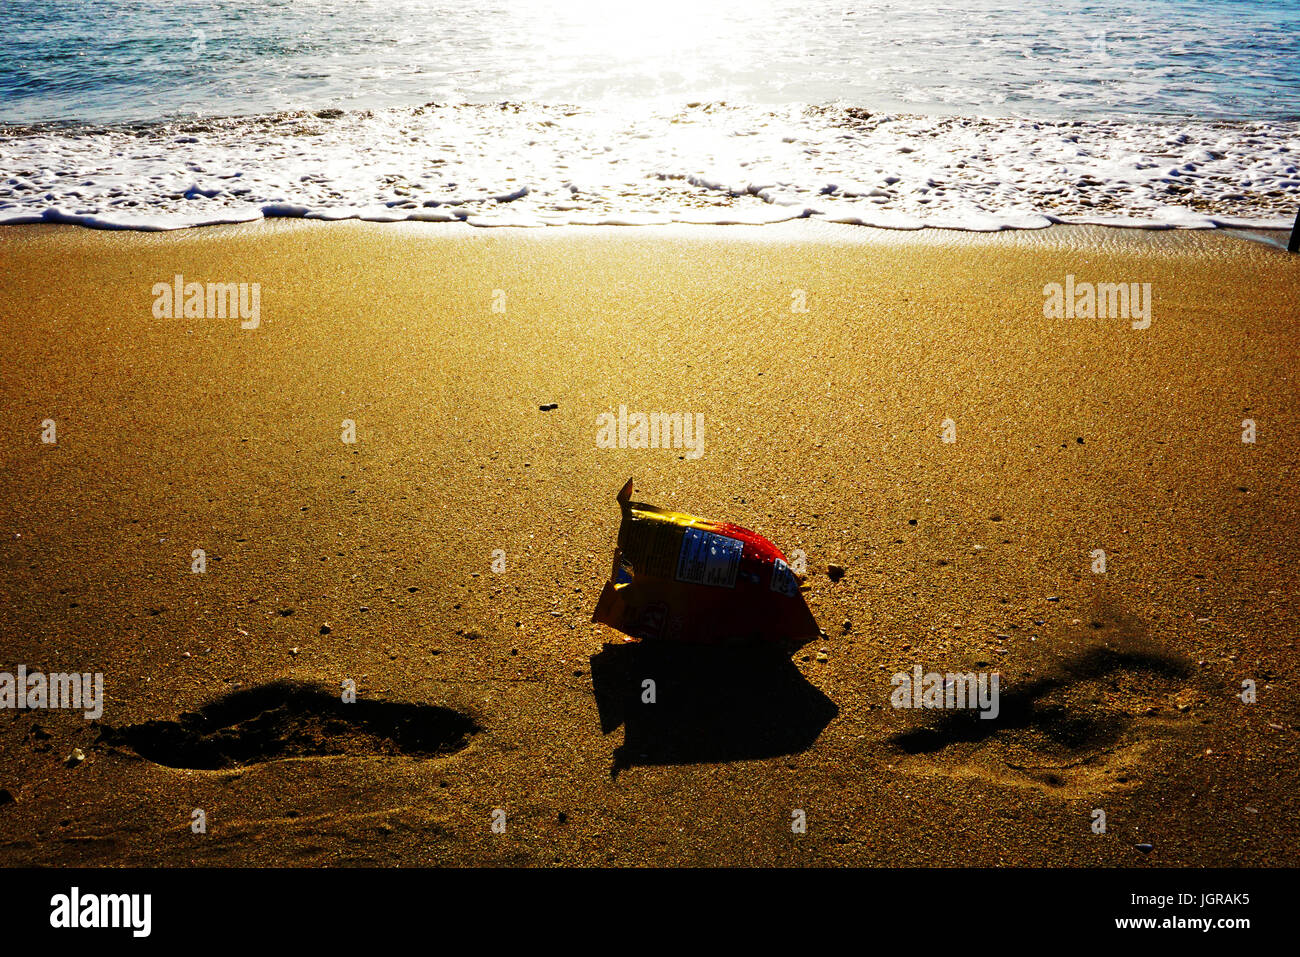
(1091, 723)
(292, 720)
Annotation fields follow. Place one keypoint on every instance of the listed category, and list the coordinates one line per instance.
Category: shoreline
(1231, 225)
(801, 229)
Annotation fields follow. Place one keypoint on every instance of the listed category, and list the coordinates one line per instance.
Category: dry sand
(822, 431)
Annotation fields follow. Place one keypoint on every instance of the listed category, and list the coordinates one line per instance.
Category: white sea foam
(510, 164)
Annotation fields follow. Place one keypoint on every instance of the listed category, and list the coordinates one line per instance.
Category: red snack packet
(681, 578)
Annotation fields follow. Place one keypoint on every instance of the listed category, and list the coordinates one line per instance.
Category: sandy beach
(893, 403)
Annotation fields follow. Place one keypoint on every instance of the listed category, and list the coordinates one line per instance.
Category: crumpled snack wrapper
(682, 578)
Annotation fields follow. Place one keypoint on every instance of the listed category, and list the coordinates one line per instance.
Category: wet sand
(479, 690)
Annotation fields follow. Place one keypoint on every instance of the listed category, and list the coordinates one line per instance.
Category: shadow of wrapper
(681, 578)
(710, 704)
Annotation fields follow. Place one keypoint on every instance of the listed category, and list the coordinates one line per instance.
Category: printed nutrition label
(709, 559)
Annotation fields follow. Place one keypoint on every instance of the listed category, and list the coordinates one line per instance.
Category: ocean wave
(527, 165)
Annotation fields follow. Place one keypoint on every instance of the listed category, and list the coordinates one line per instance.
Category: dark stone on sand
(836, 572)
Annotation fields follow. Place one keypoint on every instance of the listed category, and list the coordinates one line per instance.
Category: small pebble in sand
(1145, 848)
(324, 629)
(75, 758)
(294, 652)
(836, 572)
(548, 407)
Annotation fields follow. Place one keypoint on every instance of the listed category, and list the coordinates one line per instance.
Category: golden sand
(823, 430)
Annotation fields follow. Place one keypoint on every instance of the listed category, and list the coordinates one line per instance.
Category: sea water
(971, 114)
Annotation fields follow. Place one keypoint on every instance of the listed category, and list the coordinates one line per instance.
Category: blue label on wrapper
(709, 559)
(783, 580)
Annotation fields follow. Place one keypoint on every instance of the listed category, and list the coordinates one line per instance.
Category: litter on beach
(682, 578)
